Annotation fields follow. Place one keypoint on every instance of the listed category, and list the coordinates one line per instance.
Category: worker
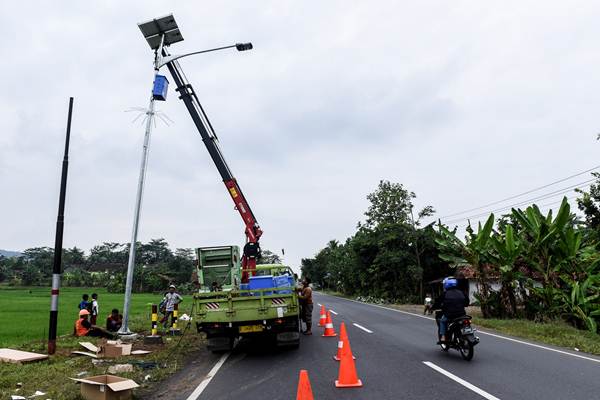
(168, 304)
(114, 321)
(83, 327)
(306, 301)
(94, 308)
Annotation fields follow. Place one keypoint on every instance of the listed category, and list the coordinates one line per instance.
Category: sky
(463, 102)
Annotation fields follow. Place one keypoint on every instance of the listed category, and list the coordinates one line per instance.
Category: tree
(268, 257)
(390, 204)
(589, 203)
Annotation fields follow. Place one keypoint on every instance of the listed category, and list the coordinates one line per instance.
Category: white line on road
(480, 331)
(466, 384)
(333, 312)
(319, 304)
(362, 327)
(198, 391)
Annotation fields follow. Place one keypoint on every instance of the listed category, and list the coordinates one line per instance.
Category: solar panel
(153, 29)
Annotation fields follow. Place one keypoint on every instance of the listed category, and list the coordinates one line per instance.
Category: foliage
(105, 266)
(388, 257)
(547, 265)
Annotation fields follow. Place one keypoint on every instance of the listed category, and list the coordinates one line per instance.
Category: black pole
(58, 241)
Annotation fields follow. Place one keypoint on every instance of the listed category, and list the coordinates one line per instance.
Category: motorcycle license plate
(467, 330)
(251, 328)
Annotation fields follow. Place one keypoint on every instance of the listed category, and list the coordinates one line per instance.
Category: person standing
(171, 298)
(94, 311)
(306, 301)
(84, 303)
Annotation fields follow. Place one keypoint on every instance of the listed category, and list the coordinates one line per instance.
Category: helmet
(449, 282)
(83, 312)
(172, 287)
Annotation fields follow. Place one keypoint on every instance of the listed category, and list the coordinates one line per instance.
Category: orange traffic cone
(344, 342)
(323, 317)
(329, 331)
(304, 389)
(347, 376)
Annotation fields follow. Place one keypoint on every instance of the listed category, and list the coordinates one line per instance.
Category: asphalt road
(399, 360)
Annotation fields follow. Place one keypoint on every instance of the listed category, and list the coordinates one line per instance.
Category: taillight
(466, 322)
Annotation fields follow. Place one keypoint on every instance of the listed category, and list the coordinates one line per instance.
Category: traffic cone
(323, 317)
(329, 331)
(304, 389)
(347, 376)
(343, 342)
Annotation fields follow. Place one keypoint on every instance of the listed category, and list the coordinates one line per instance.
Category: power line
(521, 194)
(555, 193)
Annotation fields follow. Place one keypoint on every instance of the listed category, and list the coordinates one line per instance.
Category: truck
(228, 303)
(226, 309)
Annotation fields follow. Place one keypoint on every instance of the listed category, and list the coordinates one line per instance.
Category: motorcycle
(460, 335)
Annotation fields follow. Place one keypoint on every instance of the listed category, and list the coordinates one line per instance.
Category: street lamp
(159, 33)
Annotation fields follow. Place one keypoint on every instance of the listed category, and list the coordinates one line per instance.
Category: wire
(555, 193)
(521, 194)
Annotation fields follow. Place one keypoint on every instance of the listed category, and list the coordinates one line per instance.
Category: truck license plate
(251, 328)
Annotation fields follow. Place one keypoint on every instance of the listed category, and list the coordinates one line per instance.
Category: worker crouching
(83, 327)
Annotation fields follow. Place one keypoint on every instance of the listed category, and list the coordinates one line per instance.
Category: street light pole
(124, 330)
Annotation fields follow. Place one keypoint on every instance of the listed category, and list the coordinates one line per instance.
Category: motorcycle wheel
(466, 349)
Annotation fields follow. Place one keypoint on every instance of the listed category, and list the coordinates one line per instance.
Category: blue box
(261, 282)
(245, 286)
(160, 88)
(283, 281)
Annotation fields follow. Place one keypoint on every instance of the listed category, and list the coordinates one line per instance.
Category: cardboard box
(112, 349)
(106, 387)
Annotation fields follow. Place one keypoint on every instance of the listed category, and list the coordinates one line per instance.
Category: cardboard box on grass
(106, 387)
(112, 348)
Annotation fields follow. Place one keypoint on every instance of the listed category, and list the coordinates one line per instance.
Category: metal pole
(124, 330)
(58, 241)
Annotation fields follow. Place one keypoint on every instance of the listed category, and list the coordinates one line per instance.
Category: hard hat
(83, 312)
(449, 282)
(172, 286)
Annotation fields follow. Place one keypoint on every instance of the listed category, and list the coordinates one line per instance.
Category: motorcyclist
(452, 303)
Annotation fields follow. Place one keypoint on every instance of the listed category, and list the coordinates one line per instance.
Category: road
(399, 360)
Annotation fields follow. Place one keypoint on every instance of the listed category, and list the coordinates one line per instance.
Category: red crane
(253, 232)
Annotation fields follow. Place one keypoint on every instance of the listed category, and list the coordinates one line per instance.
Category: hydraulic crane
(161, 33)
(252, 230)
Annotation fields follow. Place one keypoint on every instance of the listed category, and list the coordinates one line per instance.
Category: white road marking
(362, 327)
(320, 305)
(478, 330)
(198, 391)
(466, 384)
(333, 312)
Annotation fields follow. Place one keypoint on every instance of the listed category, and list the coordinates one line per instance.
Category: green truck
(226, 309)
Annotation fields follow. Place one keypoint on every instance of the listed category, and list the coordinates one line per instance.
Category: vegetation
(105, 266)
(390, 256)
(548, 266)
(29, 308)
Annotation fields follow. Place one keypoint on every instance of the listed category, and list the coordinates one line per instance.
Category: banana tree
(475, 251)
(508, 249)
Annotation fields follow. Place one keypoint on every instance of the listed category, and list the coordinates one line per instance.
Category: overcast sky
(464, 103)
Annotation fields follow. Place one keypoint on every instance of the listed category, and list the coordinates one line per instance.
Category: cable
(522, 194)
(528, 201)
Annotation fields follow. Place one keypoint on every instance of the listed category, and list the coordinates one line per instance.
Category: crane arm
(252, 229)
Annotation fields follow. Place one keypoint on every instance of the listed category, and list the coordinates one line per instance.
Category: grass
(556, 333)
(25, 313)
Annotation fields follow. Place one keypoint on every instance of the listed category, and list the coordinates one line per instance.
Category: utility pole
(416, 240)
(58, 240)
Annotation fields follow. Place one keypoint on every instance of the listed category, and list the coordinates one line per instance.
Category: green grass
(556, 333)
(24, 326)
(25, 311)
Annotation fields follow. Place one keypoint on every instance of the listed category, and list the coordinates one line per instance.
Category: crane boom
(252, 229)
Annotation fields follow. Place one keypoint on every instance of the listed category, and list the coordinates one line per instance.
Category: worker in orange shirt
(83, 327)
